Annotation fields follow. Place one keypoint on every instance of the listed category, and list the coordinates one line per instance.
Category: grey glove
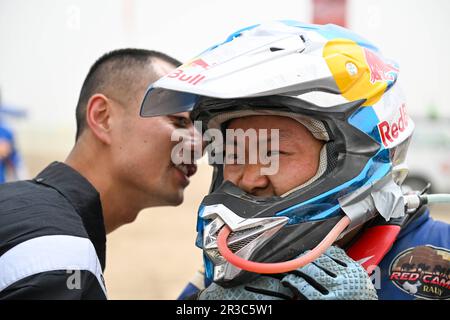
(262, 288)
(333, 276)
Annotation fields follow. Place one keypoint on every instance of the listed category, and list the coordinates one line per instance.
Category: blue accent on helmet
(201, 223)
(209, 267)
(332, 31)
(326, 205)
(200, 227)
(231, 37)
(366, 120)
(393, 74)
(238, 33)
(329, 31)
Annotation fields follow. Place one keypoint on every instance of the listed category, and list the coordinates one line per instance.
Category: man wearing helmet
(343, 136)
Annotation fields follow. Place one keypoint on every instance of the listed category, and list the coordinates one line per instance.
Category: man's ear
(98, 117)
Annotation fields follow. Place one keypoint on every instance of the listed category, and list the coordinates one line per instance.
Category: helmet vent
(240, 244)
(240, 233)
(273, 49)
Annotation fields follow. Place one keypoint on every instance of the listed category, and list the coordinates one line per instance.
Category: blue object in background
(12, 166)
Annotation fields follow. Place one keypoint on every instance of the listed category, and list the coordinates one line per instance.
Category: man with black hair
(53, 228)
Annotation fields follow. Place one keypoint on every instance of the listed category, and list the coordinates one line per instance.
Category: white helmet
(335, 82)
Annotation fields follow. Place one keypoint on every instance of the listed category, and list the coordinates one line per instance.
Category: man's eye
(272, 153)
(181, 122)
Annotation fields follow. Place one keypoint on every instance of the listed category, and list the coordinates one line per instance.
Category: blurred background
(47, 47)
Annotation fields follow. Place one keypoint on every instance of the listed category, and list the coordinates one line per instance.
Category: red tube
(279, 267)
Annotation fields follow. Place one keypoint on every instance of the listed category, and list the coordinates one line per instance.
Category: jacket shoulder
(29, 210)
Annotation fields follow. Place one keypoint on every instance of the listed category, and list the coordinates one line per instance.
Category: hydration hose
(279, 267)
(412, 202)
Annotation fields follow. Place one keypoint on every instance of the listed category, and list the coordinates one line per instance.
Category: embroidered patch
(422, 271)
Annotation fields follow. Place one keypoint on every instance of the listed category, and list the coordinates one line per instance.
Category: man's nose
(253, 182)
(196, 143)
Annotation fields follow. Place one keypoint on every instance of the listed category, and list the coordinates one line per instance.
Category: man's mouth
(187, 169)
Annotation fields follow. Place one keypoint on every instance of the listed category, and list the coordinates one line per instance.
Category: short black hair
(120, 71)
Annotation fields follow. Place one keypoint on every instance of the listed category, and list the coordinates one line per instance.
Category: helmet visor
(160, 102)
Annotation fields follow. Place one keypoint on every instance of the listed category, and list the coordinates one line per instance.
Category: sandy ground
(154, 257)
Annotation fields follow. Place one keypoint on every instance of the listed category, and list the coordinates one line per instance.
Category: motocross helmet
(335, 83)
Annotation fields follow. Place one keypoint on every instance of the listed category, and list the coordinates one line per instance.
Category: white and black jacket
(52, 237)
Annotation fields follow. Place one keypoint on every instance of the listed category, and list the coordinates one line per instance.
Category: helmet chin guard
(256, 234)
(247, 235)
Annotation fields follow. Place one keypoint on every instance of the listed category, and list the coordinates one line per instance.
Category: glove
(263, 288)
(333, 276)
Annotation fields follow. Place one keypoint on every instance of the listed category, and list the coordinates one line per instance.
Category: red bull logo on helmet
(181, 74)
(197, 63)
(379, 69)
(390, 132)
(359, 72)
